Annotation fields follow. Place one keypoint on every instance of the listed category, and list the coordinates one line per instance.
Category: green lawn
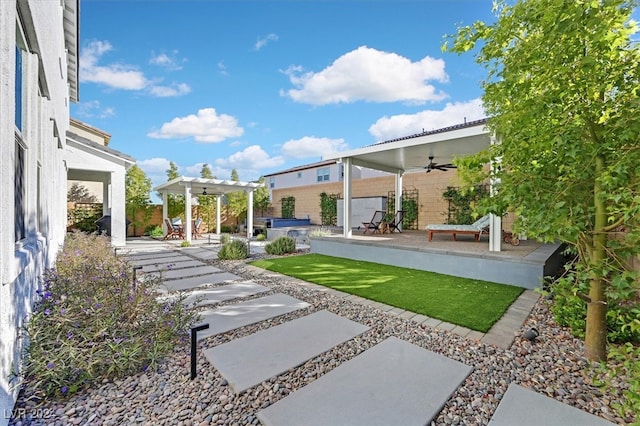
(470, 303)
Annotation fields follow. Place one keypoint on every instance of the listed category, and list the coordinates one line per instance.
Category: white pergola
(193, 187)
(410, 154)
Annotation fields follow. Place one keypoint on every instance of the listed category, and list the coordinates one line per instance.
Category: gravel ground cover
(553, 365)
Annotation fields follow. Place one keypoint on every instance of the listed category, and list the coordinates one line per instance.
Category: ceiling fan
(436, 166)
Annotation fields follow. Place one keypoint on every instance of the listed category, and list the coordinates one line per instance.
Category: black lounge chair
(373, 225)
(396, 221)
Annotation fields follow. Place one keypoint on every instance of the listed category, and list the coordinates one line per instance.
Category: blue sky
(261, 86)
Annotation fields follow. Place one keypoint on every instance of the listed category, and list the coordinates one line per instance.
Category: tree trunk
(596, 332)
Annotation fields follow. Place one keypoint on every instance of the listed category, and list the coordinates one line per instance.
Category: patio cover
(411, 154)
(192, 186)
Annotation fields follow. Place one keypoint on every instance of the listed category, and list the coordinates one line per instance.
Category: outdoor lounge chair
(396, 221)
(476, 228)
(172, 230)
(373, 225)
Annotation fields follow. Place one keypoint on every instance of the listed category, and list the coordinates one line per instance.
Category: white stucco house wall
(38, 80)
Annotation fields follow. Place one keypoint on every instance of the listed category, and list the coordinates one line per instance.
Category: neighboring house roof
(303, 167)
(90, 132)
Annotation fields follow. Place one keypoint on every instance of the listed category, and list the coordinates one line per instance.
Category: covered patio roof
(411, 153)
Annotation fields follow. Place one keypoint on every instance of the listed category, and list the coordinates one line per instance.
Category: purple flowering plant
(92, 324)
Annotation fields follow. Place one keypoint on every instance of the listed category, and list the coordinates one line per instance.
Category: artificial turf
(474, 304)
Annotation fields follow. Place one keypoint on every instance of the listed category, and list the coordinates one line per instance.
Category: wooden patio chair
(373, 225)
(396, 221)
(173, 232)
(195, 231)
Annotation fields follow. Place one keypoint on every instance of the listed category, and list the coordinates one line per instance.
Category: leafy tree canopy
(561, 93)
(79, 193)
(137, 190)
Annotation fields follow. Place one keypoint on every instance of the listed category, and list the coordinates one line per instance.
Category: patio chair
(172, 231)
(476, 228)
(396, 221)
(195, 231)
(373, 225)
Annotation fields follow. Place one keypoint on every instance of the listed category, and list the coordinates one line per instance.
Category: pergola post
(495, 225)
(218, 214)
(398, 197)
(346, 214)
(250, 214)
(187, 213)
(165, 211)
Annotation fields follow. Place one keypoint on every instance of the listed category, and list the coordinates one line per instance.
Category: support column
(165, 211)
(495, 227)
(187, 213)
(218, 214)
(250, 214)
(398, 198)
(346, 216)
(117, 202)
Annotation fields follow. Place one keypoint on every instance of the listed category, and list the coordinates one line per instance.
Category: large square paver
(198, 281)
(248, 361)
(392, 383)
(217, 294)
(524, 407)
(226, 318)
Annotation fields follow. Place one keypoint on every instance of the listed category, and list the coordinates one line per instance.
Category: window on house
(272, 182)
(299, 175)
(20, 229)
(323, 174)
(18, 87)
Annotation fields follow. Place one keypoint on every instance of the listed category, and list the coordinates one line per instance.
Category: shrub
(153, 231)
(185, 244)
(226, 229)
(92, 323)
(280, 246)
(320, 232)
(235, 250)
(225, 238)
(261, 237)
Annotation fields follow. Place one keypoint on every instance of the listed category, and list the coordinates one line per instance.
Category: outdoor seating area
(476, 229)
(378, 224)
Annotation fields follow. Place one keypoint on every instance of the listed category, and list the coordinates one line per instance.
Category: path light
(194, 343)
(531, 334)
(135, 269)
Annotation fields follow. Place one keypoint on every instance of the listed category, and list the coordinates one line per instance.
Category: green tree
(237, 201)
(79, 193)
(175, 202)
(261, 200)
(138, 202)
(207, 203)
(562, 96)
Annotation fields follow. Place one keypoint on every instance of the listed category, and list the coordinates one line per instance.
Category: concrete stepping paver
(392, 383)
(143, 255)
(170, 265)
(198, 281)
(524, 407)
(248, 361)
(226, 318)
(172, 274)
(164, 260)
(225, 292)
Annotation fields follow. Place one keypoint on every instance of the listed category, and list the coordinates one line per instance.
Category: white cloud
(93, 109)
(167, 61)
(264, 40)
(117, 76)
(175, 89)
(154, 166)
(222, 68)
(251, 158)
(122, 76)
(367, 74)
(206, 126)
(409, 124)
(310, 146)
